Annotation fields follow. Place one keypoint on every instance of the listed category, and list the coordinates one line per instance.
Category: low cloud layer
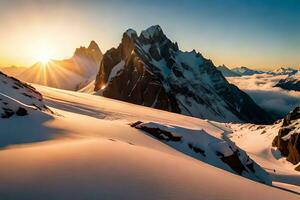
(273, 99)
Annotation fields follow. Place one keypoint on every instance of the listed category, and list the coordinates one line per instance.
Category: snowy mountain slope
(20, 101)
(93, 152)
(114, 169)
(290, 83)
(257, 140)
(150, 70)
(71, 74)
(207, 148)
(16, 92)
(226, 72)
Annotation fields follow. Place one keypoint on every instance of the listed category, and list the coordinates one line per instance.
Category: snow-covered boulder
(208, 148)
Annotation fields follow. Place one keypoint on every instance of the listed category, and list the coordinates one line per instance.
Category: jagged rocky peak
(92, 52)
(94, 46)
(130, 33)
(152, 34)
(226, 72)
(149, 69)
(288, 139)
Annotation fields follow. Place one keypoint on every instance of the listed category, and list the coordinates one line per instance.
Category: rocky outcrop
(219, 152)
(150, 70)
(288, 139)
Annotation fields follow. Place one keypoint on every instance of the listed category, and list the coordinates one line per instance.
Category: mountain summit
(226, 72)
(150, 70)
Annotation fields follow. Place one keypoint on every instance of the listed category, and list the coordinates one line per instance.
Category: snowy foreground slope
(256, 140)
(88, 150)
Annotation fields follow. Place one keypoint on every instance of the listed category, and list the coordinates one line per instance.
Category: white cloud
(260, 88)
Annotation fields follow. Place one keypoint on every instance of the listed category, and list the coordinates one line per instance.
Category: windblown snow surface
(88, 150)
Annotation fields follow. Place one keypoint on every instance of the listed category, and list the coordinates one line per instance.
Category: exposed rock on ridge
(150, 70)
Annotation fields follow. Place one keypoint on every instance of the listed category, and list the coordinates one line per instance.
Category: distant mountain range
(284, 71)
(150, 70)
(70, 74)
(245, 71)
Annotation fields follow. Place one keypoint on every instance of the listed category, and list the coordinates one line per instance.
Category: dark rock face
(234, 163)
(288, 139)
(158, 133)
(150, 70)
(21, 111)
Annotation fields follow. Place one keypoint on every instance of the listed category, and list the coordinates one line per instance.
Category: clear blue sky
(263, 34)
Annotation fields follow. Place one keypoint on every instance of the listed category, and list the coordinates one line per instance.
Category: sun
(43, 53)
(44, 58)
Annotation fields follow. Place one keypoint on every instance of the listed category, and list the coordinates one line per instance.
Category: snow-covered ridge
(290, 82)
(18, 98)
